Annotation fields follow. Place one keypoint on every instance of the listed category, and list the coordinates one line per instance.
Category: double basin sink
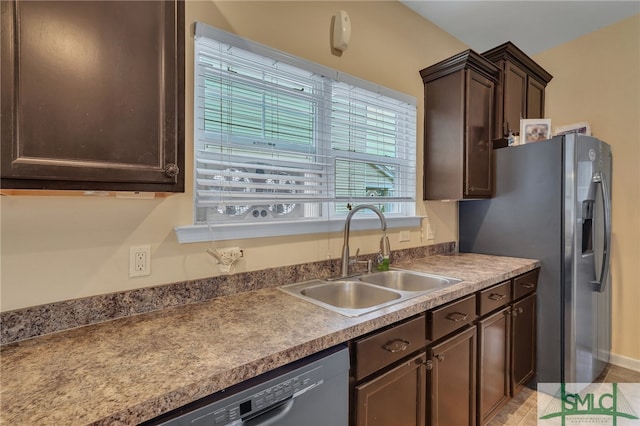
(366, 293)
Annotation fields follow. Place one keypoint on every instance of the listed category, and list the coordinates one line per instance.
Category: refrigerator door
(587, 242)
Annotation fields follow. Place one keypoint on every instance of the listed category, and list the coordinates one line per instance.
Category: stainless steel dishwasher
(313, 391)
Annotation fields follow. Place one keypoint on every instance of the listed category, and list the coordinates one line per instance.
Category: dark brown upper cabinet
(520, 90)
(459, 95)
(93, 95)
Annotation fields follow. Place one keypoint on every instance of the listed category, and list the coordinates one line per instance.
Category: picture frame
(534, 130)
(583, 128)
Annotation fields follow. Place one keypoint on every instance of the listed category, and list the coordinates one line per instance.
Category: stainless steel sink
(351, 298)
(367, 293)
(350, 294)
(408, 280)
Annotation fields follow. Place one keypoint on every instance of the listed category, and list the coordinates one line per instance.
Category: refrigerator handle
(600, 285)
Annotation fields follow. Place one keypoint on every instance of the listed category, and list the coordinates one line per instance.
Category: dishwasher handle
(272, 416)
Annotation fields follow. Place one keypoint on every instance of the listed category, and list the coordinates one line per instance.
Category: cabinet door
(535, 98)
(92, 95)
(515, 97)
(394, 398)
(493, 363)
(443, 137)
(523, 351)
(452, 380)
(478, 135)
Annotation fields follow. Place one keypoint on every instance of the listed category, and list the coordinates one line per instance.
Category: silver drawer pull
(456, 316)
(397, 345)
(528, 285)
(497, 296)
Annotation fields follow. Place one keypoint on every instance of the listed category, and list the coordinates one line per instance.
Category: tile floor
(522, 410)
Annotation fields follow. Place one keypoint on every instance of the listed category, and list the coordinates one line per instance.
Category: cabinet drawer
(381, 349)
(525, 284)
(494, 297)
(451, 317)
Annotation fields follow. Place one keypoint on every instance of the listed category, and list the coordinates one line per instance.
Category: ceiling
(533, 26)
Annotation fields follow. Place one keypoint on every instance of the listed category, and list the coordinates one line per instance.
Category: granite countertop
(132, 369)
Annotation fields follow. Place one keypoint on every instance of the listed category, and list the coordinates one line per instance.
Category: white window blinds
(279, 138)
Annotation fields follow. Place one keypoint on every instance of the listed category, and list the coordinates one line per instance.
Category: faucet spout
(384, 243)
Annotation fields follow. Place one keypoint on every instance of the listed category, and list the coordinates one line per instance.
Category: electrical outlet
(405, 236)
(139, 261)
(431, 231)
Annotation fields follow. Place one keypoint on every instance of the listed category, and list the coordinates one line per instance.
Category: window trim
(247, 230)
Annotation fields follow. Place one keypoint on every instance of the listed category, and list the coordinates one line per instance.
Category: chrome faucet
(384, 241)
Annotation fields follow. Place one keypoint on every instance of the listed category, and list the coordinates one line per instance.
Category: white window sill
(239, 231)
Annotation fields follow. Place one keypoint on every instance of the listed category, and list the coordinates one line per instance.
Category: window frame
(332, 221)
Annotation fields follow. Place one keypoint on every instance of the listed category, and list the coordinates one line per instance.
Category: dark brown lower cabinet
(454, 365)
(494, 351)
(523, 352)
(394, 398)
(452, 380)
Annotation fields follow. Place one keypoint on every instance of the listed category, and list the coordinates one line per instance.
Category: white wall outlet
(431, 231)
(139, 261)
(405, 236)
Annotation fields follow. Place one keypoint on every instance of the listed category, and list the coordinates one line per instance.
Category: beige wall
(597, 79)
(59, 248)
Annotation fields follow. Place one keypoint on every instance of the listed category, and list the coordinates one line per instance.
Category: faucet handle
(354, 260)
(368, 262)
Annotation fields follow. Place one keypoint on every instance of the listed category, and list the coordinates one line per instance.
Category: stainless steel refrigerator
(553, 203)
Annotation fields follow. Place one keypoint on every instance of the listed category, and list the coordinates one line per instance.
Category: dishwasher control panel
(247, 405)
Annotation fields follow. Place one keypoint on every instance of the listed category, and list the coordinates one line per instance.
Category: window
(280, 140)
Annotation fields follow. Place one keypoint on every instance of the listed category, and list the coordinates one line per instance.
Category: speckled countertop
(132, 369)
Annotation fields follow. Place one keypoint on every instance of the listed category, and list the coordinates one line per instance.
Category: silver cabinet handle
(457, 316)
(439, 357)
(497, 296)
(397, 345)
(528, 285)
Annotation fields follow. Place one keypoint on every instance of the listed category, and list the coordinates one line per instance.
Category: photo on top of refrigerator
(553, 203)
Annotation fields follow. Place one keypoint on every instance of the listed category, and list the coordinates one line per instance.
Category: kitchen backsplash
(49, 318)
